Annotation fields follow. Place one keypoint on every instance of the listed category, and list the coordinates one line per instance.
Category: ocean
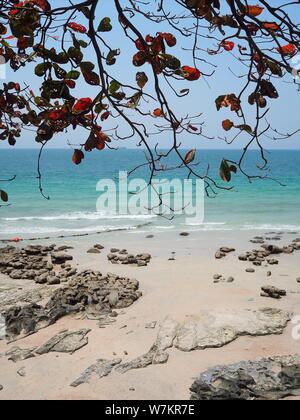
(71, 210)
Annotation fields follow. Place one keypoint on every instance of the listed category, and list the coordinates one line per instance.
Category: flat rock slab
(268, 379)
(212, 330)
(100, 369)
(16, 354)
(209, 330)
(65, 342)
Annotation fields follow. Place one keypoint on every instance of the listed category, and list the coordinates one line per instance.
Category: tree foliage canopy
(69, 42)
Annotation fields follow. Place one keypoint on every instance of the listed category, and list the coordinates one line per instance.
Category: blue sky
(284, 113)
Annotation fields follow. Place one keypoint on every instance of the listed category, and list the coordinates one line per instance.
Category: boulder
(267, 379)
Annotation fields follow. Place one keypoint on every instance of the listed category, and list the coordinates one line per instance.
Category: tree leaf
(105, 25)
(4, 196)
(141, 79)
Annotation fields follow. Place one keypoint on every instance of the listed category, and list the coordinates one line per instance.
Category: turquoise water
(262, 204)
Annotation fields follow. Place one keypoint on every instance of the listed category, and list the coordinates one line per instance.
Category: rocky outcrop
(33, 263)
(268, 379)
(88, 291)
(272, 292)
(264, 255)
(123, 257)
(65, 342)
(209, 330)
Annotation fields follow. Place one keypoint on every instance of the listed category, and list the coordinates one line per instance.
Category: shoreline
(179, 288)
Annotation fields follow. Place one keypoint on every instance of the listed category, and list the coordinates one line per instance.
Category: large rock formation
(209, 330)
(267, 379)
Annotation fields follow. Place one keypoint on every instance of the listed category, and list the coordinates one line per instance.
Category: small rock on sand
(250, 270)
(230, 280)
(94, 251)
(1, 387)
(184, 234)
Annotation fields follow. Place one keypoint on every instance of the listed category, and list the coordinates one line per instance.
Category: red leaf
(190, 73)
(77, 157)
(77, 28)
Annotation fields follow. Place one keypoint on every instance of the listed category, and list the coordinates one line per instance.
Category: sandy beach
(177, 284)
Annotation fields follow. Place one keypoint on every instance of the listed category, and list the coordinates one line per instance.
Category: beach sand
(179, 289)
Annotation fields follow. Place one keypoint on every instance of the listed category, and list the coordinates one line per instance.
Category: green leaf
(105, 25)
(114, 87)
(226, 170)
(40, 69)
(73, 74)
(170, 61)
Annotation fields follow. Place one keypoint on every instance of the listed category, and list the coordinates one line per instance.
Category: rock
(184, 234)
(272, 292)
(21, 372)
(59, 258)
(250, 270)
(243, 258)
(141, 263)
(100, 369)
(99, 246)
(272, 249)
(272, 261)
(154, 356)
(15, 354)
(149, 236)
(269, 274)
(219, 255)
(42, 279)
(268, 379)
(230, 280)
(114, 250)
(298, 280)
(227, 250)
(113, 298)
(209, 330)
(65, 342)
(1, 387)
(53, 281)
(94, 251)
(151, 325)
(86, 292)
(217, 276)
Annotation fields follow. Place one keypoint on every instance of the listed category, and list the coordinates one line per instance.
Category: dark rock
(243, 258)
(65, 342)
(250, 270)
(52, 281)
(100, 369)
(99, 246)
(268, 379)
(88, 291)
(219, 255)
(59, 258)
(184, 234)
(94, 251)
(15, 354)
(272, 292)
(230, 280)
(227, 250)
